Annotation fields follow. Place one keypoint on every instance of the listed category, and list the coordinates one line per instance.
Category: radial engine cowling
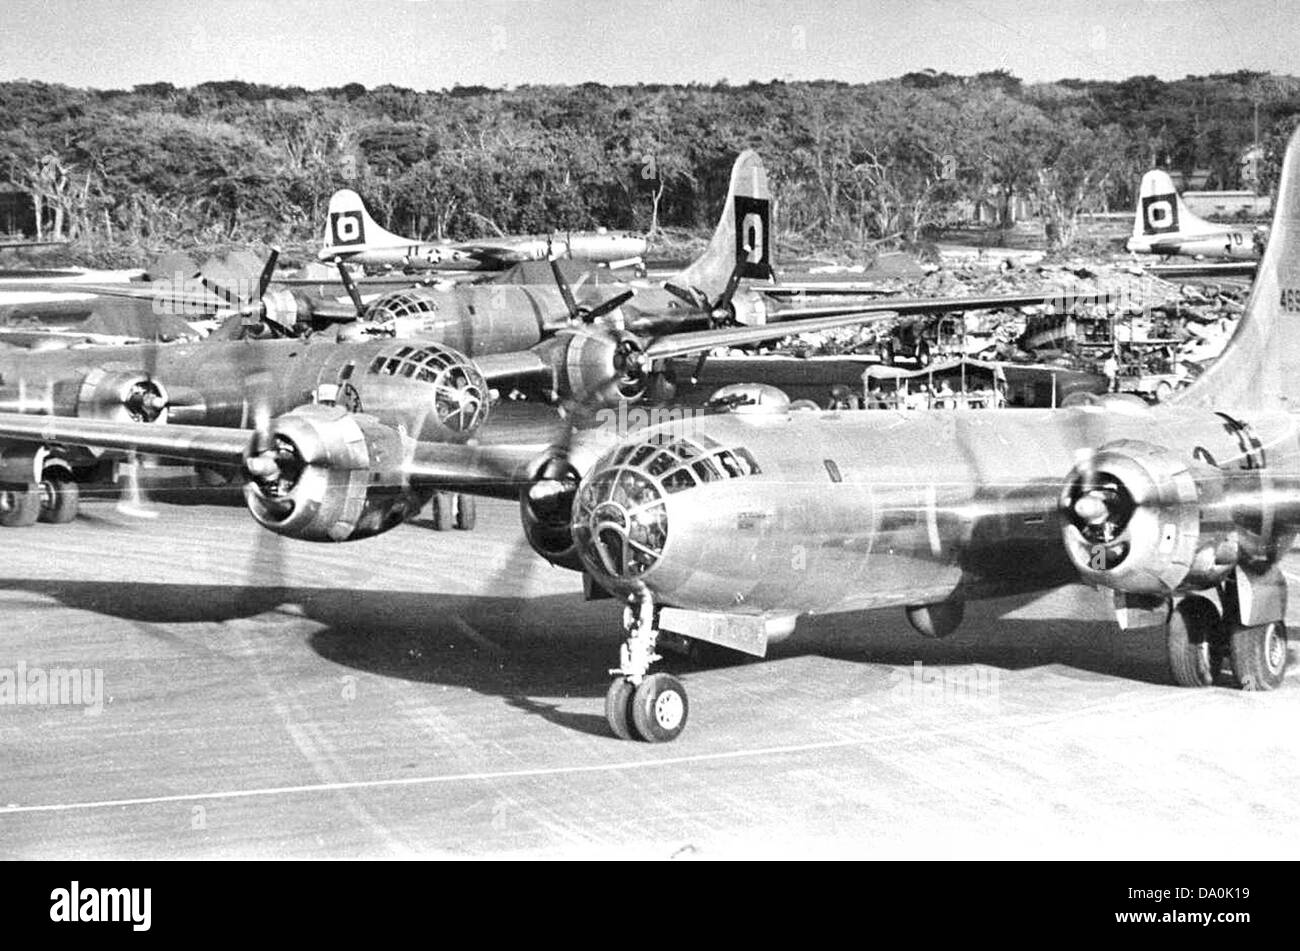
(121, 394)
(599, 366)
(325, 475)
(1137, 518)
(546, 508)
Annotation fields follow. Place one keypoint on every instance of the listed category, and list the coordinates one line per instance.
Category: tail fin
(1161, 213)
(743, 239)
(1260, 368)
(349, 226)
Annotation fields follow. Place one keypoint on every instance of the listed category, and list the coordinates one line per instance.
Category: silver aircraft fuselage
(861, 509)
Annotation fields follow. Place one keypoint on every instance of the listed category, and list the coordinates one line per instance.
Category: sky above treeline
(437, 44)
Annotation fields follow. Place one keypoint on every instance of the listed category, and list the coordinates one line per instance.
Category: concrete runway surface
(442, 695)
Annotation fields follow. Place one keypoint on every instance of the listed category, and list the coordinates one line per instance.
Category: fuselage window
(640, 454)
(747, 462)
(660, 464)
(685, 451)
(706, 471)
(679, 480)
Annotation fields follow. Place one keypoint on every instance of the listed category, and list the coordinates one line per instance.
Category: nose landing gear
(638, 704)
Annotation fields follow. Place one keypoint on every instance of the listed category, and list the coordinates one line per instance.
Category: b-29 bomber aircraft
(728, 530)
(578, 337)
(1163, 224)
(434, 386)
(352, 235)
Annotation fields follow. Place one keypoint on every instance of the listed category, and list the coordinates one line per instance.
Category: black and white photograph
(573, 430)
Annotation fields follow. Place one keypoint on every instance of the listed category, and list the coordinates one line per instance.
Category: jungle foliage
(159, 166)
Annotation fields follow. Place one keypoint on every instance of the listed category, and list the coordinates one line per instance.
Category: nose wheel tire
(20, 505)
(1259, 656)
(60, 496)
(659, 708)
(1196, 642)
(618, 708)
(443, 511)
(466, 513)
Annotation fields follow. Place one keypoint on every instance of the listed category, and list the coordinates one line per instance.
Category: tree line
(160, 166)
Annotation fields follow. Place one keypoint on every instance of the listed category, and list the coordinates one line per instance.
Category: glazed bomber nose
(620, 522)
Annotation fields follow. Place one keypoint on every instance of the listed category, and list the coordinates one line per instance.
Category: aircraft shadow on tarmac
(558, 646)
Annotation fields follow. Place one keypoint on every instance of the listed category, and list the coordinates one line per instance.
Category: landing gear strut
(641, 705)
(452, 509)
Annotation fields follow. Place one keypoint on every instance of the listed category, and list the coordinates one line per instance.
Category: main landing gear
(1205, 645)
(54, 499)
(453, 510)
(641, 705)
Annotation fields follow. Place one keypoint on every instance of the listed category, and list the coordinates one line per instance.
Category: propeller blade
(569, 302)
(259, 394)
(264, 281)
(683, 295)
(699, 367)
(225, 294)
(350, 286)
(614, 303)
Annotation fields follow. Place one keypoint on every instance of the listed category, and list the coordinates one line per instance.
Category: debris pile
(1086, 308)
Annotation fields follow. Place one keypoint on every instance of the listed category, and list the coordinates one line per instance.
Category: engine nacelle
(1137, 518)
(109, 392)
(598, 366)
(325, 475)
(546, 510)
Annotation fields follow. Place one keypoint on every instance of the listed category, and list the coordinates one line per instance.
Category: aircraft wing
(823, 289)
(192, 298)
(896, 307)
(56, 338)
(507, 366)
(695, 341)
(207, 444)
(1204, 269)
(498, 471)
(940, 305)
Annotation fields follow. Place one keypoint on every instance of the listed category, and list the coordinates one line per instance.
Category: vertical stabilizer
(1162, 216)
(743, 239)
(1260, 368)
(349, 227)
